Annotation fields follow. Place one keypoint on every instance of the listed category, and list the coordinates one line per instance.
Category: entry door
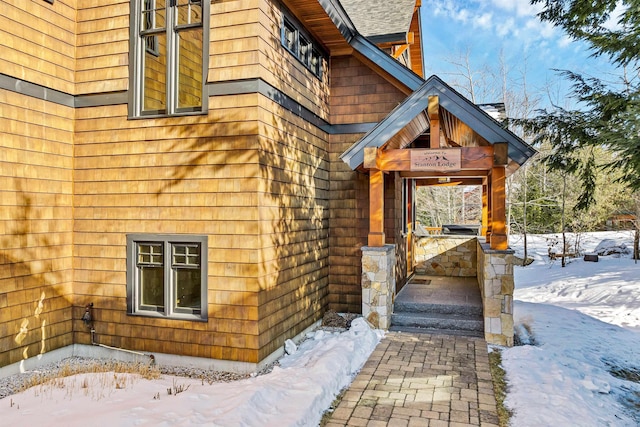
(409, 214)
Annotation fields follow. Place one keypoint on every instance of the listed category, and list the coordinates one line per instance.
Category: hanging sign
(437, 160)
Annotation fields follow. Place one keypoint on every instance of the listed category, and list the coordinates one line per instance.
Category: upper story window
(301, 46)
(167, 276)
(169, 52)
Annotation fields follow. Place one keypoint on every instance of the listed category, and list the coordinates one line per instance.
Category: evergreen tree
(611, 114)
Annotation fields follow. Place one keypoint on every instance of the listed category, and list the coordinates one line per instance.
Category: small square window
(315, 63)
(305, 50)
(166, 276)
(290, 36)
(301, 45)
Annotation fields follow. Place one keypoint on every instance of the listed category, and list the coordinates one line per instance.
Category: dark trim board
(260, 86)
(36, 91)
(214, 89)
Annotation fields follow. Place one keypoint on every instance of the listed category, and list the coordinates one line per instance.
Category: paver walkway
(414, 379)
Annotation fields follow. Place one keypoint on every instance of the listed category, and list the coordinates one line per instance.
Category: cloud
(612, 23)
(513, 21)
(522, 8)
(507, 27)
(484, 21)
(564, 41)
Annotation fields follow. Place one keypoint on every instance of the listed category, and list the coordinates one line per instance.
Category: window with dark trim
(169, 57)
(148, 12)
(301, 45)
(167, 276)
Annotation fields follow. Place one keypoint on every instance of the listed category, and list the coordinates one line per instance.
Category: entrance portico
(436, 135)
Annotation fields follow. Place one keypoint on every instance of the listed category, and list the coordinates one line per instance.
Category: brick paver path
(421, 380)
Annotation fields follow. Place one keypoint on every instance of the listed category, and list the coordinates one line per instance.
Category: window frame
(168, 242)
(138, 47)
(314, 49)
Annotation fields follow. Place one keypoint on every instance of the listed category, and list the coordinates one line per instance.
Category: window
(151, 42)
(301, 46)
(169, 49)
(167, 276)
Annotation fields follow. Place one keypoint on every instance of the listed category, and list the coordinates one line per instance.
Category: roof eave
(483, 124)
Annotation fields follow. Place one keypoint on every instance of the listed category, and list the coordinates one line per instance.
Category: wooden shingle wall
(358, 94)
(348, 226)
(284, 216)
(245, 44)
(37, 41)
(102, 63)
(188, 175)
(294, 225)
(36, 212)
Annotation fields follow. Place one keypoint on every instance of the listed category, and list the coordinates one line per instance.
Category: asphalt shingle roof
(380, 20)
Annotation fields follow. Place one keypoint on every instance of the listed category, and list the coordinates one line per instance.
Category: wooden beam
(470, 173)
(500, 154)
(485, 209)
(370, 158)
(376, 236)
(400, 159)
(434, 121)
(498, 239)
(454, 181)
(398, 50)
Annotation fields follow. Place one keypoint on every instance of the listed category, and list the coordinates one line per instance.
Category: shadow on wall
(254, 178)
(36, 314)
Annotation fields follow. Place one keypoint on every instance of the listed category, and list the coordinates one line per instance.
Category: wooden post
(434, 122)
(376, 208)
(498, 239)
(484, 231)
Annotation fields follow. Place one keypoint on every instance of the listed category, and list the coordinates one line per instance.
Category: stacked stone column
(495, 277)
(378, 284)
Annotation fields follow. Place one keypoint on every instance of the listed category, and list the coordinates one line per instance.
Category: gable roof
(367, 48)
(453, 102)
(415, 104)
(381, 20)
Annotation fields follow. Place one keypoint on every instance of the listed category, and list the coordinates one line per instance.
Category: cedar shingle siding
(259, 175)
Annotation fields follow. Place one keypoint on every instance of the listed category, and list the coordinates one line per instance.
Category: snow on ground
(295, 393)
(583, 324)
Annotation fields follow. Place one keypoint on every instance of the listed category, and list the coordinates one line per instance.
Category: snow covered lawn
(582, 367)
(295, 393)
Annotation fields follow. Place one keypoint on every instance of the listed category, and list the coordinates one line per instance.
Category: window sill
(183, 317)
(169, 116)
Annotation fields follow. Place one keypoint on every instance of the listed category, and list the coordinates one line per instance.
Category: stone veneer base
(495, 278)
(378, 284)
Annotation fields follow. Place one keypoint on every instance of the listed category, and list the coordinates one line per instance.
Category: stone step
(469, 310)
(438, 321)
(454, 332)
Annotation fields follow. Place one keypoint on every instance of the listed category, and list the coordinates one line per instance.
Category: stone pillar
(495, 278)
(378, 284)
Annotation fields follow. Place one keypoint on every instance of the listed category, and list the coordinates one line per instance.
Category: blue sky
(485, 28)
